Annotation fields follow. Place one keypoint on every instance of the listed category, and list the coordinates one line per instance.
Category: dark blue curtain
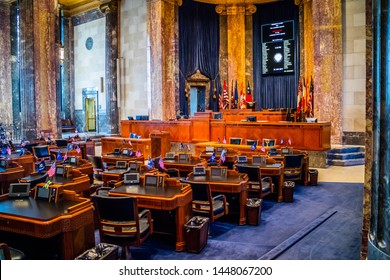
(275, 91)
(199, 48)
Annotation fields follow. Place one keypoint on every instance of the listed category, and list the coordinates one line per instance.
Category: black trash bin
(253, 211)
(313, 173)
(197, 231)
(288, 191)
(102, 251)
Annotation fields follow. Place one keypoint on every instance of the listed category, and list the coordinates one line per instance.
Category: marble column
(5, 66)
(164, 62)
(321, 55)
(238, 51)
(45, 58)
(379, 230)
(111, 10)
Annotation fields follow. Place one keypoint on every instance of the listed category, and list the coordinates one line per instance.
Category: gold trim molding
(235, 9)
(301, 2)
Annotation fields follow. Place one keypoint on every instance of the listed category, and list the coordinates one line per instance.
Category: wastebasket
(253, 211)
(197, 229)
(313, 173)
(102, 251)
(288, 191)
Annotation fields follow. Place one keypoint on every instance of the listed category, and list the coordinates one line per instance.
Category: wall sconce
(61, 54)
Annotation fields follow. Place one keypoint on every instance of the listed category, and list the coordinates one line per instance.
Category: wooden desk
(84, 166)
(12, 174)
(275, 170)
(184, 167)
(169, 198)
(236, 184)
(111, 159)
(71, 219)
(231, 157)
(26, 161)
(241, 149)
(143, 145)
(80, 184)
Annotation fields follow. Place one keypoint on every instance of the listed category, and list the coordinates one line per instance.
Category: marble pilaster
(5, 66)
(112, 38)
(379, 226)
(163, 30)
(45, 57)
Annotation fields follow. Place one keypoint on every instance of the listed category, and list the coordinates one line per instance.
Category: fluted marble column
(379, 231)
(5, 66)
(236, 39)
(163, 30)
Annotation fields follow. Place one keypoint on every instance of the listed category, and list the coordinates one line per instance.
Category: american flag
(130, 143)
(263, 148)
(9, 152)
(224, 140)
(138, 153)
(52, 170)
(78, 150)
(188, 147)
(223, 156)
(65, 156)
(289, 141)
(161, 163)
(150, 163)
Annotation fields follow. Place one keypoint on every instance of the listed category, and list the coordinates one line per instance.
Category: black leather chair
(9, 253)
(293, 167)
(121, 224)
(204, 204)
(173, 172)
(257, 184)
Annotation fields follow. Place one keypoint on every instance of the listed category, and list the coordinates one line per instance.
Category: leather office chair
(261, 186)
(9, 253)
(121, 224)
(293, 167)
(98, 167)
(173, 172)
(204, 204)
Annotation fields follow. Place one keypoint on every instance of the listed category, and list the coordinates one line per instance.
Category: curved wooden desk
(71, 218)
(170, 198)
(26, 161)
(111, 159)
(12, 174)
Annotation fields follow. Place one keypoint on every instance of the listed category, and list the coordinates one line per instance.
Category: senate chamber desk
(233, 183)
(70, 221)
(111, 159)
(184, 166)
(176, 198)
(11, 174)
(26, 161)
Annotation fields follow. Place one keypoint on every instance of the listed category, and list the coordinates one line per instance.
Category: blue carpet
(323, 222)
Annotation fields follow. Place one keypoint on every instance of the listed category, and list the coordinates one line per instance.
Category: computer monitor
(125, 152)
(60, 171)
(242, 159)
(269, 142)
(131, 178)
(285, 151)
(217, 171)
(199, 170)
(19, 190)
(209, 149)
(3, 163)
(251, 142)
(183, 157)
(258, 160)
(42, 192)
(235, 141)
(151, 180)
(218, 116)
(121, 164)
(251, 118)
(134, 166)
(73, 160)
(219, 150)
(117, 151)
(41, 151)
(272, 151)
(170, 155)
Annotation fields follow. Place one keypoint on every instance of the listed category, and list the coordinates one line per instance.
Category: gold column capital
(301, 2)
(235, 9)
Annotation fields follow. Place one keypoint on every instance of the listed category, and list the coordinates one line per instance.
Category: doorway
(197, 99)
(90, 114)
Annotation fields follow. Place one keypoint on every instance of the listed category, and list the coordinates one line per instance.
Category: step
(348, 162)
(344, 156)
(343, 150)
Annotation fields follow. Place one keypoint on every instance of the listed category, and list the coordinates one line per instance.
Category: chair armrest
(219, 197)
(147, 214)
(6, 250)
(269, 180)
